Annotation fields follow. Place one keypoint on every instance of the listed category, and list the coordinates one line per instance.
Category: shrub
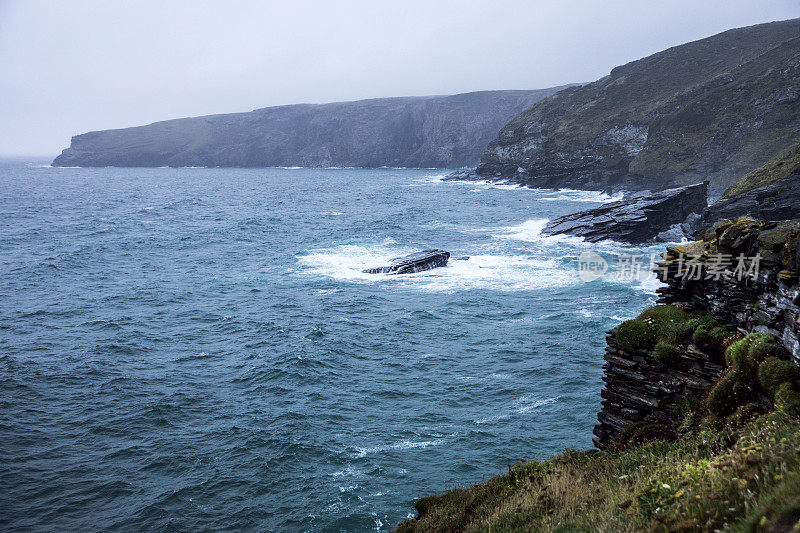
(637, 334)
(772, 372)
(666, 353)
(749, 352)
(787, 399)
(726, 395)
(701, 336)
(718, 335)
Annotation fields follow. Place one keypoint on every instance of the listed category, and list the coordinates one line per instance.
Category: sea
(192, 349)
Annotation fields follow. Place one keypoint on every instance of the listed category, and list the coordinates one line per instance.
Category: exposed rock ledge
(637, 218)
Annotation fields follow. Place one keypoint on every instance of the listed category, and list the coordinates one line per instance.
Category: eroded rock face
(635, 219)
(416, 262)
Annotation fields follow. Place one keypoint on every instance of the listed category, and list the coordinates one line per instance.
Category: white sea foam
(482, 185)
(481, 271)
(400, 445)
(524, 405)
(576, 195)
(531, 231)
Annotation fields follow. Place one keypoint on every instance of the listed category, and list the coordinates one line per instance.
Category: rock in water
(416, 262)
(636, 218)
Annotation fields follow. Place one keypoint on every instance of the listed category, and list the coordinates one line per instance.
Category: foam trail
(576, 195)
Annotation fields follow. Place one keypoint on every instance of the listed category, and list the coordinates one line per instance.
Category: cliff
(433, 131)
(712, 109)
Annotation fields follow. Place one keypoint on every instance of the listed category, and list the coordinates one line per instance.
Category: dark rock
(416, 262)
(636, 218)
(425, 131)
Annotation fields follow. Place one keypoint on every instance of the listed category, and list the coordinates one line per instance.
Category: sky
(67, 67)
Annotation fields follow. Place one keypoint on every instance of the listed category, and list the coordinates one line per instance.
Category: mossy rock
(773, 372)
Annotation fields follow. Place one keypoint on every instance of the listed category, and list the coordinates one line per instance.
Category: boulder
(416, 262)
(636, 218)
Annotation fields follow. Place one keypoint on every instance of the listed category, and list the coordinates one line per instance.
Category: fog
(72, 67)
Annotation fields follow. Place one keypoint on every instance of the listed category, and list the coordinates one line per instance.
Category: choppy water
(189, 349)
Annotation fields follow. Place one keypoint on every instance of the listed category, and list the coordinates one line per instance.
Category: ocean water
(197, 349)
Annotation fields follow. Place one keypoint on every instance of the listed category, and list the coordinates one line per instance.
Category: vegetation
(666, 353)
(665, 329)
(746, 478)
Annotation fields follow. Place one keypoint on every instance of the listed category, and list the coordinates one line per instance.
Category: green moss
(747, 353)
(773, 372)
(665, 313)
(637, 334)
(726, 395)
(666, 353)
(787, 399)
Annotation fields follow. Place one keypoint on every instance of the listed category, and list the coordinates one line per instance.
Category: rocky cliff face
(436, 131)
(710, 109)
(642, 391)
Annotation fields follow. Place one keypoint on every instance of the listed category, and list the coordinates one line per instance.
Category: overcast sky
(71, 67)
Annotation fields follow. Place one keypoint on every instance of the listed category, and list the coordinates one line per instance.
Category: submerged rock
(416, 262)
(636, 218)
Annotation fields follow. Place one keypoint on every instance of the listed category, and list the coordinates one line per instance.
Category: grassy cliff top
(782, 168)
(745, 479)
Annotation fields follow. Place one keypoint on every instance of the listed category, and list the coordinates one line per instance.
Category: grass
(747, 479)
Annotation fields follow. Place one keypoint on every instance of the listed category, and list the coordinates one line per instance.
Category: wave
(487, 184)
(576, 195)
(524, 405)
(499, 272)
(400, 445)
